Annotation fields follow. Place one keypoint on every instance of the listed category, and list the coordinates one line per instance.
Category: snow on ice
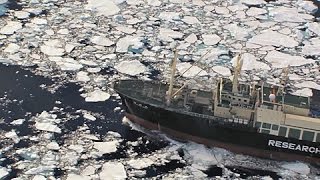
(11, 28)
(273, 38)
(133, 67)
(97, 95)
(281, 60)
(113, 171)
(106, 147)
(103, 7)
(298, 167)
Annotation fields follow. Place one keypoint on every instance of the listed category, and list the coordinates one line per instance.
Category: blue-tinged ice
(3, 7)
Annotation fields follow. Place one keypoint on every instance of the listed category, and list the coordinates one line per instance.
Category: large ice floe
(92, 43)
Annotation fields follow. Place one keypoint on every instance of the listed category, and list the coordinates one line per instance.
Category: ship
(257, 119)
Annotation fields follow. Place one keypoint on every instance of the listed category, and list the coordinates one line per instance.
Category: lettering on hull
(294, 147)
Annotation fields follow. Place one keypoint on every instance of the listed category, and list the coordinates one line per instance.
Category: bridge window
(294, 133)
(258, 124)
(307, 135)
(318, 138)
(275, 127)
(266, 125)
(265, 131)
(282, 131)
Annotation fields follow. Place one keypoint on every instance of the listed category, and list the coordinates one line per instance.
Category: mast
(173, 72)
(237, 70)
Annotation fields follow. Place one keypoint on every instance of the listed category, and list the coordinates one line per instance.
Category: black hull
(236, 138)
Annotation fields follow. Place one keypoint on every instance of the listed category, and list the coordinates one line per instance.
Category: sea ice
(314, 27)
(47, 126)
(222, 70)
(194, 70)
(250, 62)
(17, 122)
(83, 76)
(63, 31)
(52, 48)
(11, 28)
(273, 38)
(39, 177)
(97, 96)
(169, 16)
(154, 2)
(102, 7)
(89, 117)
(192, 38)
(53, 146)
(21, 14)
(106, 147)
(286, 14)
(124, 43)
(89, 170)
(125, 29)
(4, 172)
(12, 48)
(210, 39)
(40, 170)
(190, 20)
(67, 64)
(169, 34)
(12, 135)
(309, 6)
(133, 67)
(39, 21)
(113, 171)
(253, 11)
(308, 84)
(239, 33)
(297, 167)
(140, 163)
(253, 2)
(77, 148)
(102, 41)
(311, 50)
(281, 60)
(306, 92)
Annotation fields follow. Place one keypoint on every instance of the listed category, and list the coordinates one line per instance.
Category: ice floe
(169, 34)
(133, 67)
(273, 38)
(103, 7)
(97, 96)
(308, 84)
(106, 147)
(280, 60)
(47, 122)
(210, 39)
(298, 167)
(193, 71)
(102, 41)
(250, 62)
(124, 43)
(113, 171)
(77, 177)
(11, 27)
(4, 172)
(52, 48)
